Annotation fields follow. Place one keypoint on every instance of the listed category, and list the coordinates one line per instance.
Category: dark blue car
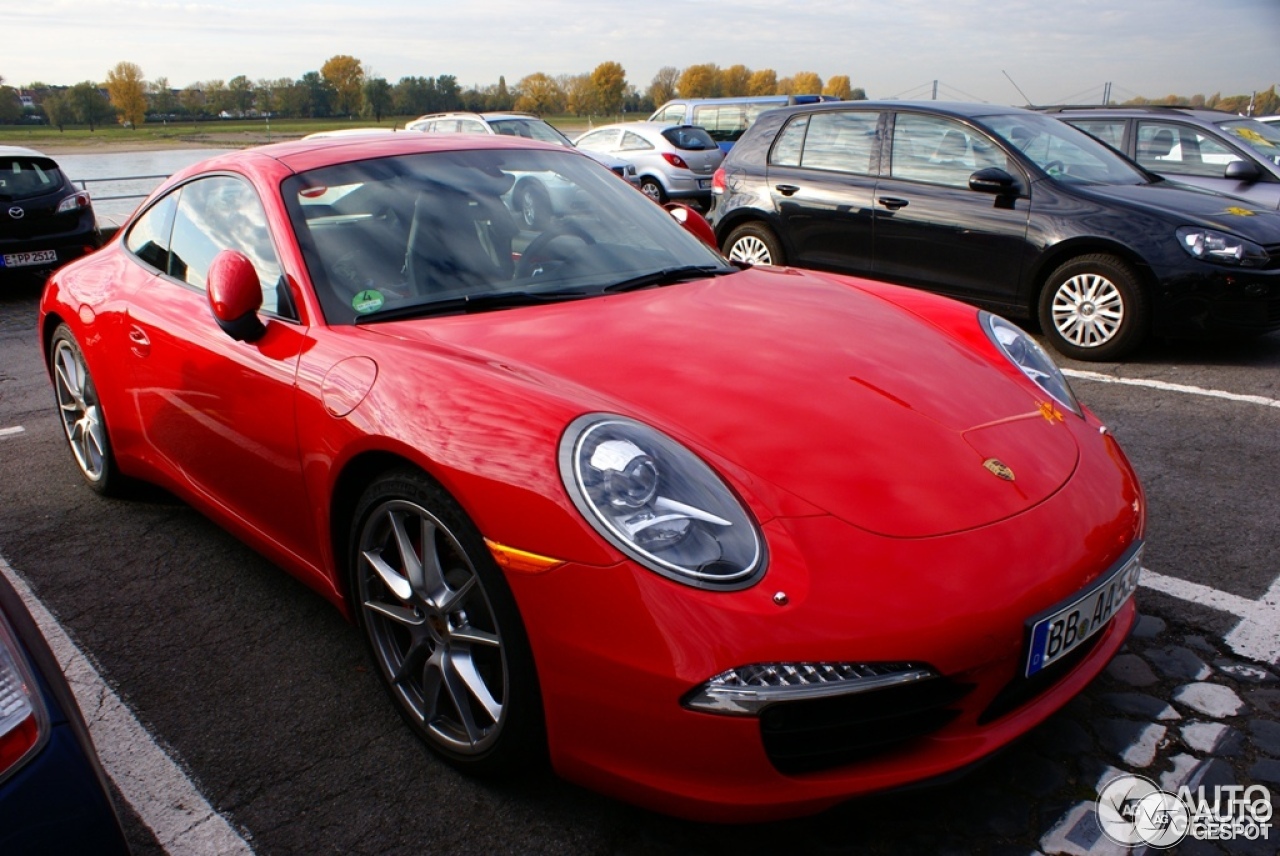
(53, 793)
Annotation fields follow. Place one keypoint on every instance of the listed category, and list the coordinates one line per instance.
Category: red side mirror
(235, 296)
(694, 223)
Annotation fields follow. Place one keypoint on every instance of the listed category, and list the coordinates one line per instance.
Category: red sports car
(728, 543)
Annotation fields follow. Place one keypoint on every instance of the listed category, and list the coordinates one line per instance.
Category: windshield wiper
(668, 276)
(471, 303)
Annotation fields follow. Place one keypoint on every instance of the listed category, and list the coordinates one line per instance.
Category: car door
(821, 177)
(933, 231)
(217, 412)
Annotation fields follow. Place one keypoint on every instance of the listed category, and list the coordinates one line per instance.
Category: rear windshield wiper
(470, 303)
(668, 276)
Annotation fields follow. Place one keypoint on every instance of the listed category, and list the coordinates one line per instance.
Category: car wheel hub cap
(751, 250)
(81, 417)
(1088, 310)
(432, 627)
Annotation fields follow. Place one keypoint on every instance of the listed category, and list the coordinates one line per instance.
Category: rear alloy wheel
(753, 244)
(1093, 308)
(652, 188)
(443, 627)
(81, 414)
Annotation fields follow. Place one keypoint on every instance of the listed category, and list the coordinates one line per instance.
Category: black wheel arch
(1054, 257)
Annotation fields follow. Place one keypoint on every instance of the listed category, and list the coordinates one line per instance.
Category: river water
(91, 169)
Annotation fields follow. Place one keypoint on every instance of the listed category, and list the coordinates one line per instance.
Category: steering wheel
(559, 229)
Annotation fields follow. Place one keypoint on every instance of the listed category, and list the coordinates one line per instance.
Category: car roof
(1203, 114)
(960, 109)
(12, 151)
(306, 154)
(649, 127)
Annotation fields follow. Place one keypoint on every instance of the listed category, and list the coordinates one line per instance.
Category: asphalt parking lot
(237, 712)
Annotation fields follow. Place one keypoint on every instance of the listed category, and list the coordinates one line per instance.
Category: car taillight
(75, 202)
(675, 160)
(22, 716)
(717, 182)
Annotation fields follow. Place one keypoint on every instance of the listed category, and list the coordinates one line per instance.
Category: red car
(724, 542)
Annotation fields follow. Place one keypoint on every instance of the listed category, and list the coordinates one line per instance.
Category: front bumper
(1218, 302)
(621, 648)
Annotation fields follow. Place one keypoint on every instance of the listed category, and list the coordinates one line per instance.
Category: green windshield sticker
(367, 301)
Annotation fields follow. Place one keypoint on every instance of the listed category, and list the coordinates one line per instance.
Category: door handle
(786, 189)
(893, 203)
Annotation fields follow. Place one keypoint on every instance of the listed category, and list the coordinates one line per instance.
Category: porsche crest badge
(998, 469)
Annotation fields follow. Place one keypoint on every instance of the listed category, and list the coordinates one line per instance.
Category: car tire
(653, 189)
(443, 627)
(533, 205)
(754, 244)
(1094, 308)
(81, 414)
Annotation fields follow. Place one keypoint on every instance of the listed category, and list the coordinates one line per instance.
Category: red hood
(814, 383)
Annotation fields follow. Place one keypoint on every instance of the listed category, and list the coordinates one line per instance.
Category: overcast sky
(1055, 52)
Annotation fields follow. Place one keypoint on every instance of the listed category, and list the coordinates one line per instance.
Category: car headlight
(1026, 353)
(659, 503)
(1209, 245)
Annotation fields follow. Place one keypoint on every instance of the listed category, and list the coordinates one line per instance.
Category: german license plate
(39, 257)
(1062, 631)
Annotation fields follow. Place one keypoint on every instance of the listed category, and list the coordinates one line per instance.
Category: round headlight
(659, 503)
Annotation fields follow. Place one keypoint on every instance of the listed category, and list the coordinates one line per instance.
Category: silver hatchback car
(673, 161)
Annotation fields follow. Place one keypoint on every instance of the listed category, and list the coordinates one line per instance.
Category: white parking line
(6, 432)
(1173, 387)
(1257, 636)
(153, 784)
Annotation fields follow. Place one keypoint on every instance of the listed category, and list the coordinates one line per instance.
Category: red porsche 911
(727, 543)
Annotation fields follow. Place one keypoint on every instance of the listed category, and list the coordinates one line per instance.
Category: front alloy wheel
(753, 244)
(1093, 308)
(442, 626)
(81, 412)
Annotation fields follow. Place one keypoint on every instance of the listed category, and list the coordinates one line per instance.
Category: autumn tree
(609, 82)
(763, 82)
(128, 93)
(345, 76)
(10, 104)
(316, 95)
(240, 94)
(663, 86)
(806, 83)
(700, 81)
(579, 93)
(839, 87)
(735, 81)
(541, 94)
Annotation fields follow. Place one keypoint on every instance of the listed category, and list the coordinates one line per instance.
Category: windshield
(1259, 136)
(533, 129)
(434, 231)
(1066, 153)
(24, 177)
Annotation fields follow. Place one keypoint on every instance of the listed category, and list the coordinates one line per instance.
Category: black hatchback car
(45, 220)
(1005, 208)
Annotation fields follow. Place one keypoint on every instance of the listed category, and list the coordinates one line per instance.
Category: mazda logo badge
(17, 213)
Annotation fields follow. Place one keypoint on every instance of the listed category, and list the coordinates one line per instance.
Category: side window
(843, 141)
(1175, 149)
(790, 143)
(148, 238)
(600, 141)
(1110, 131)
(633, 142)
(224, 213)
(471, 126)
(938, 151)
(671, 113)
